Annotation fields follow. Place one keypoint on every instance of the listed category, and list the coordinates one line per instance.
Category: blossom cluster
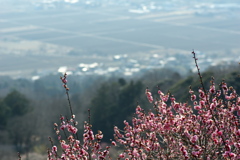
(64, 81)
(71, 146)
(208, 129)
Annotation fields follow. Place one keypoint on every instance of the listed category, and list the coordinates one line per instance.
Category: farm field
(107, 32)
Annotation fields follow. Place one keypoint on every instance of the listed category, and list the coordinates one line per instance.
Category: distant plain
(109, 31)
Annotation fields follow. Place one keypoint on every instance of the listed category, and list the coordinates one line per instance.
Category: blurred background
(111, 50)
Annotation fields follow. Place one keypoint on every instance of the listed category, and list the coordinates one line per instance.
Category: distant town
(27, 37)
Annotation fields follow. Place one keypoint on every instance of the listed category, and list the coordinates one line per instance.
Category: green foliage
(113, 103)
(5, 112)
(22, 132)
(18, 103)
(14, 104)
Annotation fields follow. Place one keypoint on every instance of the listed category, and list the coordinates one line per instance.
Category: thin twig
(64, 81)
(199, 73)
(69, 103)
(208, 103)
